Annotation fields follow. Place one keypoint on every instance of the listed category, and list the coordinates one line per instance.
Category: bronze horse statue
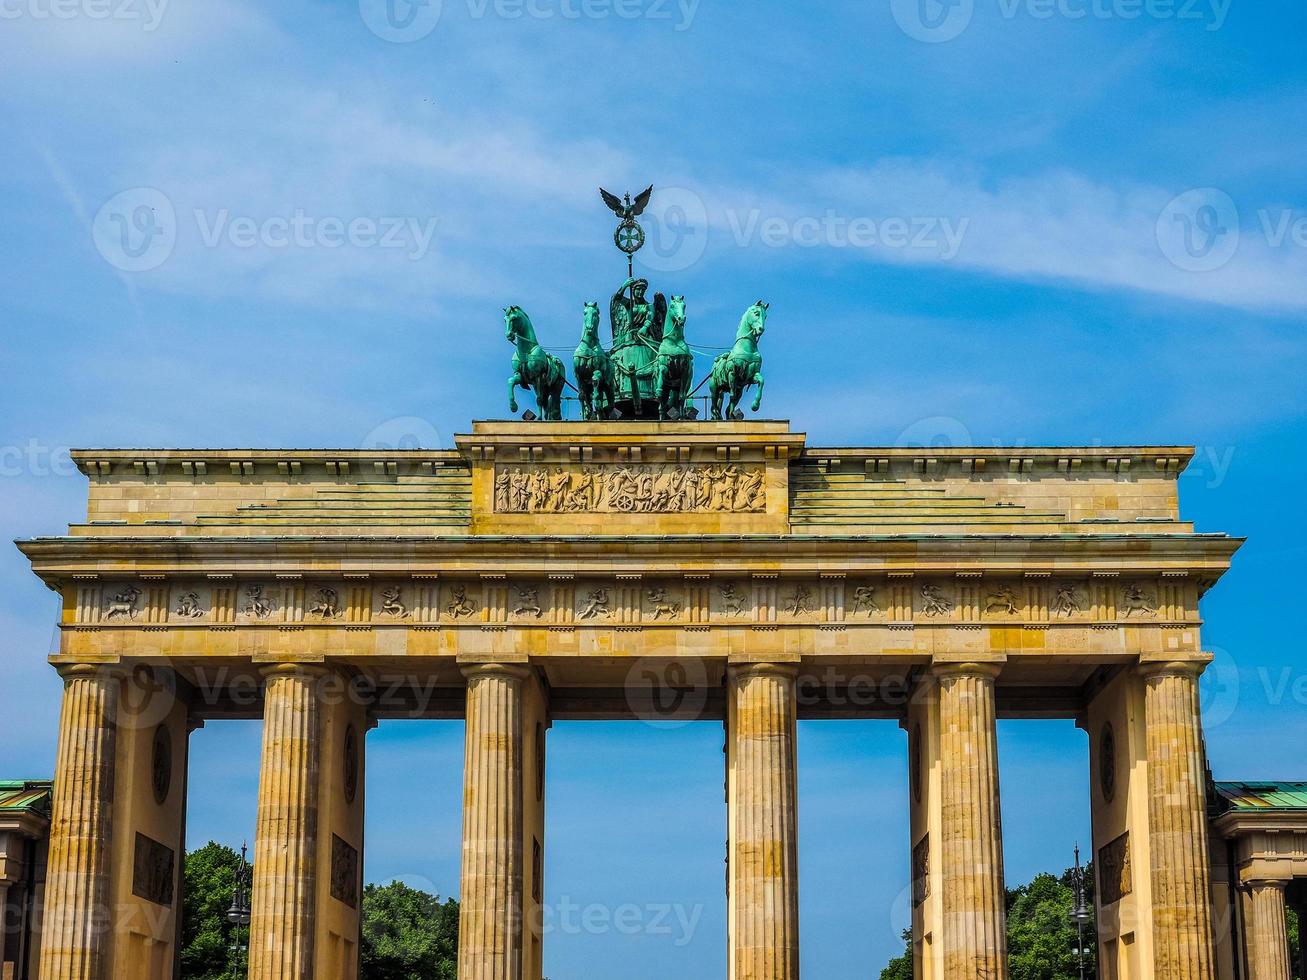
(533, 367)
(741, 367)
(594, 369)
(674, 368)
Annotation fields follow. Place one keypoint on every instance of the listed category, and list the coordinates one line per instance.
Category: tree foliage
(1295, 937)
(900, 968)
(1041, 936)
(209, 876)
(407, 934)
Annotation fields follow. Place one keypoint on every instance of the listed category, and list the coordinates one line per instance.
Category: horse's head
(676, 310)
(517, 325)
(590, 321)
(754, 323)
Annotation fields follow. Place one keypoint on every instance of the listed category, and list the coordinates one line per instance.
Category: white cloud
(1065, 226)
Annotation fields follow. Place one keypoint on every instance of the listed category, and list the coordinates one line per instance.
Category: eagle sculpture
(625, 209)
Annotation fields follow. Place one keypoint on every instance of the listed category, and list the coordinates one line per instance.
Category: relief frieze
(623, 600)
(631, 489)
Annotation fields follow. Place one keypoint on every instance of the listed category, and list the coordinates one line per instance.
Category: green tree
(900, 968)
(209, 875)
(408, 934)
(1041, 936)
(1295, 937)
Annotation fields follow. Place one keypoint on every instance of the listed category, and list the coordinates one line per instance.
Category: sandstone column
(764, 878)
(971, 834)
(1177, 823)
(285, 836)
(1268, 942)
(74, 936)
(490, 918)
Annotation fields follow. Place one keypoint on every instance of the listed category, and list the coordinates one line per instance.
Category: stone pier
(1177, 820)
(76, 930)
(763, 821)
(283, 901)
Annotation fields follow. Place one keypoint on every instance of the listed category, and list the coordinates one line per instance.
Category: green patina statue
(637, 331)
(649, 372)
(741, 367)
(674, 368)
(533, 367)
(594, 369)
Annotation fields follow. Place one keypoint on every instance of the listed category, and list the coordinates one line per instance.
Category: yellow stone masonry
(547, 570)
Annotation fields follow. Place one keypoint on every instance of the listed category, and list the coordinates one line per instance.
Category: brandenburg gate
(589, 570)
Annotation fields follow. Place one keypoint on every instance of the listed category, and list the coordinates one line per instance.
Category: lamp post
(1080, 913)
(239, 913)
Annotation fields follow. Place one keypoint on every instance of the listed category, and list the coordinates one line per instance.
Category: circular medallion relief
(914, 762)
(161, 764)
(1107, 763)
(351, 764)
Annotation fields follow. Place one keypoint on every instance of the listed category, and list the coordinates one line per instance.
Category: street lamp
(1080, 913)
(239, 913)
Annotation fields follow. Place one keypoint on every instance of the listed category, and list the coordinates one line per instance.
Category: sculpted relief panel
(627, 600)
(631, 489)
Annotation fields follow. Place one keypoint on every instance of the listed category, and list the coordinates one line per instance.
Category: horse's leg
(659, 372)
(513, 383)
(757, 401)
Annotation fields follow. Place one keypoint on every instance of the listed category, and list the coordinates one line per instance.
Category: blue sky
(992, 221)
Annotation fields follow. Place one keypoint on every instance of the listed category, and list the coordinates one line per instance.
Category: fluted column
(971, 828)
(76, 915)
(285, 836)
(1177, 824)
(1268, 946)
(490, 917)
(764, 877)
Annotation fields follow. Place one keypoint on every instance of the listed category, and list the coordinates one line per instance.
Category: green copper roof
(1263, 796)
(31, 795)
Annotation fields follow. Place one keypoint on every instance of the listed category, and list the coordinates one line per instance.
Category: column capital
(966, 668)
(790, 671)
(1174, 668)
(1260, 882)
(70, 672)
(314, 670)
(518, 671)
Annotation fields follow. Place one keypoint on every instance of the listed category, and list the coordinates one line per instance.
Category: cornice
(1203, 555)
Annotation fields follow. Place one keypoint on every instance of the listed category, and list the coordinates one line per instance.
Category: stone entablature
(617, 478)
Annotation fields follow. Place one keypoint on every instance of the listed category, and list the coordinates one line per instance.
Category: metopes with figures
(648, 371)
